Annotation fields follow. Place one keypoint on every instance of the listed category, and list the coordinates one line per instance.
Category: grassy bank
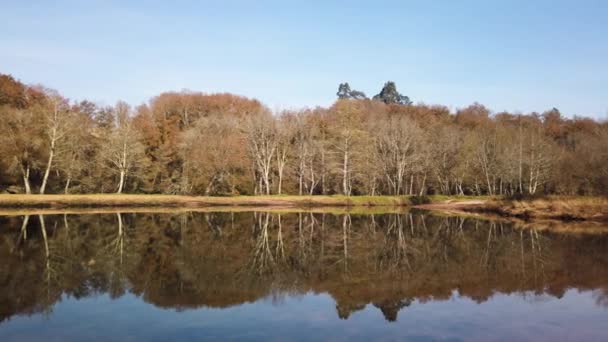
(563, 208)
(125, 200)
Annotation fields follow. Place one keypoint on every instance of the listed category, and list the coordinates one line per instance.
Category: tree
(262, 147)
(446, 158)
(123, 151)
(390, 95)
(21, 122)
(344, 92)
(213, 152)
(284, 140)
(190, 142)
(13, 93)
(56, 120)
(78, 148)
(347, 133)
(396, 140)
(23, 142)
(539, 158)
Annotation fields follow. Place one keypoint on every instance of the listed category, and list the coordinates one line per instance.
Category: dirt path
(450, 205)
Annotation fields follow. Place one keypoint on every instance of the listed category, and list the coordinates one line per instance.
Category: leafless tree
(262, 147)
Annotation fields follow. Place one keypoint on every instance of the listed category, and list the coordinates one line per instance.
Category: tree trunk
(267, 181)
(345, 187)
(423, 185)
(521, 155)
(48, 168)
(312, 178)
(490, 192)
(281, 161)
(301, 171)
(323, 171)
(67, 185)
(411, 184)
(26, 180)
(123, 167)
(121, 182)
(209, 186)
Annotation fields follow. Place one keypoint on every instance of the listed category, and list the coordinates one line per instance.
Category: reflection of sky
(576, 316)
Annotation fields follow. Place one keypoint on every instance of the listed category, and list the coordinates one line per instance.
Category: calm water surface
(298, 276)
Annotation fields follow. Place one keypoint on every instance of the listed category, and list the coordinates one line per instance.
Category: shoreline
(548, 208)
(52, 201)
(554, 208)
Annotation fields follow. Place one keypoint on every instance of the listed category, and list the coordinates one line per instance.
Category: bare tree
(283, 146)
(541, 155)
(123, 150)
(445, 146)
(22, 144)
(262, 147)
(212, 151)
(396, 140)
(57, 119)
(347, 134)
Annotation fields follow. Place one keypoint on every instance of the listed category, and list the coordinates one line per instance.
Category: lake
(297, 276)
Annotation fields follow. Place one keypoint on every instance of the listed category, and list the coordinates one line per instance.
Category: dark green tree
(344, 92)
(389, 94)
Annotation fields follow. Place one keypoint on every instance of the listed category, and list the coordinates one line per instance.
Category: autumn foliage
(222, 144)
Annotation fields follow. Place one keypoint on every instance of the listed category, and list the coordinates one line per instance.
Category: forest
(194, 143)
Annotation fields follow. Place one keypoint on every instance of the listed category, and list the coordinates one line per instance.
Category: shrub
(417, 200)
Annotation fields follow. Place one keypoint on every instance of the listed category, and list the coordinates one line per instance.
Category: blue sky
(509, 55)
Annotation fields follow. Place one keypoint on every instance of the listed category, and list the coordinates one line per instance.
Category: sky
(513, 55)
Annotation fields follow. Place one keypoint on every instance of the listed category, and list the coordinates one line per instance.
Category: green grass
(119, 200)
(135, 200)
(547, 207)
(150, 200)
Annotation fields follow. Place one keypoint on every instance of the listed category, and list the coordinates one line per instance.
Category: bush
(524, 197)
(417, 200)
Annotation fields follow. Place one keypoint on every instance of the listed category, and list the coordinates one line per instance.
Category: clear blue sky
(509, 55)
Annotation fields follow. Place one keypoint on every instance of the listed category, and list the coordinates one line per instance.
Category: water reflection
(194, 260)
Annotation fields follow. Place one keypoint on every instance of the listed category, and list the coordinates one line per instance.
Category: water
(297, 276)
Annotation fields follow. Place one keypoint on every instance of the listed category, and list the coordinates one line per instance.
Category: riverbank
(559, 208)
(553, 208)
(564, 208)
(128, 200)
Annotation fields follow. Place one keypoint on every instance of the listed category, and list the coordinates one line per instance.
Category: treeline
(220, 144)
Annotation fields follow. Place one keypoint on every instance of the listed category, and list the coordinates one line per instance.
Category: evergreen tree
(344, 92)
(389, 94)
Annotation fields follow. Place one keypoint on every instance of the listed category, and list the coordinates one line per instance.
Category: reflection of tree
(47, 252)
(601, 297)
(262, 259)
(346, 225)
(390, 309)
(117, 262)
(344, 311)
(280, 247)
(52, 263)
(23, 233)
(214, 224)
(26, 219)
(394, 255)
(306, 232)
(388, 260)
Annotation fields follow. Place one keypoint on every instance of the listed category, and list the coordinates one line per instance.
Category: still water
(296, 276)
